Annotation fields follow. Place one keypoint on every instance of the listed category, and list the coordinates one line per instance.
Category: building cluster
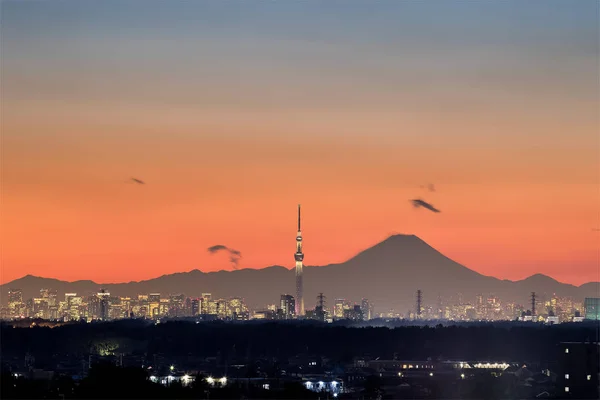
(103, 307)
(491, 308)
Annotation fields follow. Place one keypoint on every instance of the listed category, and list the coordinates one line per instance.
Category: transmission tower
(533, 304)
(419, 299)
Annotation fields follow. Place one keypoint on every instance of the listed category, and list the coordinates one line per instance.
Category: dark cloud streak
(234, 255)
(417, 203)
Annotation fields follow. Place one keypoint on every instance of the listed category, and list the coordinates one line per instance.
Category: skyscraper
(299, 256)
(103, 300)
(15, 296)
(287, 304)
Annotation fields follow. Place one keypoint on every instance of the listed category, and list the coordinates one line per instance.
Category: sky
(233, 112)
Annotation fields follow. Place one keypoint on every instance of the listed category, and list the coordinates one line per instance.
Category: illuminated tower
(299, 256)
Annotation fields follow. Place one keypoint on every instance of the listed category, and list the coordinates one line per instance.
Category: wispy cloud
(430, 187)
(234, 255)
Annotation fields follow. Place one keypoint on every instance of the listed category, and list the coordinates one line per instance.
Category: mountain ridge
(387, 273)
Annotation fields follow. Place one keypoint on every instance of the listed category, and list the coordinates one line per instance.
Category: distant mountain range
(388, 274)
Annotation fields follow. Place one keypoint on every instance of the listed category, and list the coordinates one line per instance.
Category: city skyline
(102, 306)
(231, 116)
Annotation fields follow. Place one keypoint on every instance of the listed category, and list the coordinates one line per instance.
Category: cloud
(234, 255)
(430, 187)
(422, 203)
(218, 247)
(138, 181)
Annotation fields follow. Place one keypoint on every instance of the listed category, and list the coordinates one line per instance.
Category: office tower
(366, 309)
(69, 298)
(15, 296)
(592, 308)
(205, 303)
(15, 301)
(40, 308)
(52, 295)
(103, 304)
(163, 307)
(153, 305)
(222, 310)
(320, 309)
(299, 257)
(195, 307)
(176, 305)
(338, 308)
(287, 304)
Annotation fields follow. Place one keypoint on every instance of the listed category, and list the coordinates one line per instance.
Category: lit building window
(566, 376)
(589, 377)
(566, 388)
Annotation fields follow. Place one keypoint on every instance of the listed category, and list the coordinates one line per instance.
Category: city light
(223, 380)
(210, 380)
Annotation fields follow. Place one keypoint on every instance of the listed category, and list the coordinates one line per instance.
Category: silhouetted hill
(388, 274)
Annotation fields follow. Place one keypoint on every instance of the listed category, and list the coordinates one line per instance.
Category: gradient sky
(233, 112)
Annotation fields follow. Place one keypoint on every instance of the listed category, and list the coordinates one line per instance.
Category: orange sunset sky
(233, 113)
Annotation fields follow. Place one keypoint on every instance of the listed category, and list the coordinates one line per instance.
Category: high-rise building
(320, 309)
(103, 304)
(354, 313)
(591, 308)
(287, 304)
(15, 302)
(15, 296)
(222, 308)
(299, 257)
(153, 305)
(338, 308)
(366, 309)
(419, 309)
(52, 295)
(195, 307)
(176, 303)
(205, 303)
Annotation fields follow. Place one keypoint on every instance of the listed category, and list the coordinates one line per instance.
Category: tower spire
(299, 257)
